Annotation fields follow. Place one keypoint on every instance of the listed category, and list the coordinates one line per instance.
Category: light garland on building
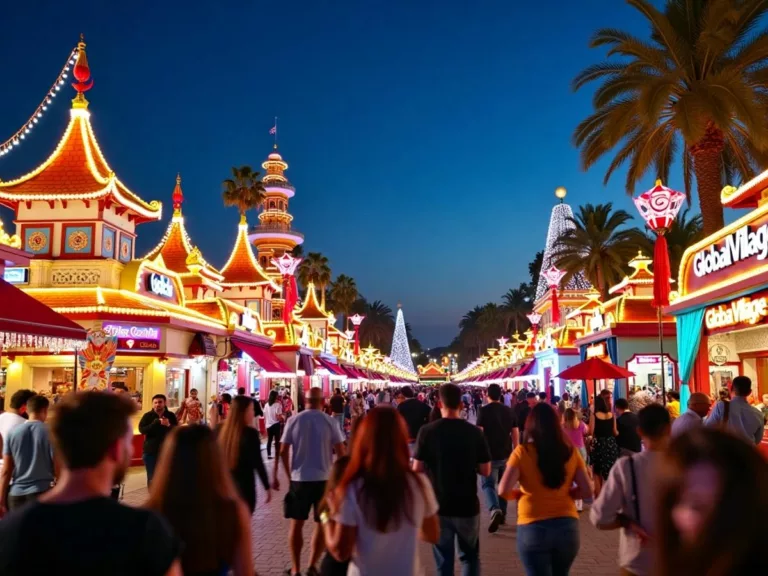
(10, 340)
(15, 140)
(401, 352)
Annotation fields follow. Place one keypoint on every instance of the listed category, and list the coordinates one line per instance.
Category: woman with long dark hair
(241, 445)
(192, 489)
(273, 418)
(713, 502)
(605, 450)
(546, 465)
(380, 506)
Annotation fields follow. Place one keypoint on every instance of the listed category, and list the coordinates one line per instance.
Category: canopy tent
(271, 364)
(594, 369)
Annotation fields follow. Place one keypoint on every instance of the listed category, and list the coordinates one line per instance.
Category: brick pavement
(597, 556)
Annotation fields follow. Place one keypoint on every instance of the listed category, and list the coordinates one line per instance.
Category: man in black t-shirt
(84, 531)
(627, 424)
(416, 414)
(500, 430)
(453, 451)
(522, 409)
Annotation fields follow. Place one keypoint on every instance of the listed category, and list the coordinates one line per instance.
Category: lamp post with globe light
(659, 207)
(287, 265)
(356, 320)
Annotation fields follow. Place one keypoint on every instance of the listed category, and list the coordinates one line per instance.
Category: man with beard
(85, 532)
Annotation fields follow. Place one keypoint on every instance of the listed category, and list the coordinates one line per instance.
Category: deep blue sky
(425, 138)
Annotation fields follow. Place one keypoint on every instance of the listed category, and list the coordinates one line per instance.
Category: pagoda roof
(640, 276)
(77, 170)
(242, 268)
(177, 251)
(432, 369)
(311, 309)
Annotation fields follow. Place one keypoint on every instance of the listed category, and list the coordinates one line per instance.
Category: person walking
(356, 410)
(92, 437)
(499, 427)
(380, 507)
(241, 445)
(698, 408)
(257, 410)
(273, 418)
(547, 466)
(27, 459)
(306, 452)
(522, 409)
(605, 450)
(337, 408)
(192, 409)
(453, 451)
(628, 499)
(155, 425)
(15, 415)
(194, 493)
(738, 416)
(575, 430)
(628, 438)
(415, 413)
(713, 501)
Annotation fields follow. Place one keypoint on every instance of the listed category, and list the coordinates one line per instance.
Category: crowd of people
(380, 471)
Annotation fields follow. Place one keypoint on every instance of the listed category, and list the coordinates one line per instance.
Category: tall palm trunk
(322, 296)
(707, 165)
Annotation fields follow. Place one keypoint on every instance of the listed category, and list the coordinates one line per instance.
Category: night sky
(425, 138)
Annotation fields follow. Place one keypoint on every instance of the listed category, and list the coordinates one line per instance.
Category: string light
(26, 128)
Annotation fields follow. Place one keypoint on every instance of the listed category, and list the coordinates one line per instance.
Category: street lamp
(553, 275)
(356, 320)
(659, 207)
(534, 318)
(287, 265)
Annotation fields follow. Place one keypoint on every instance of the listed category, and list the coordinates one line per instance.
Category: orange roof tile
(76, 170)
(310, 309)
(210, 308)
(242, 268)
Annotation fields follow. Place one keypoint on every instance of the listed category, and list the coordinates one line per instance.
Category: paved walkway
(597, 556)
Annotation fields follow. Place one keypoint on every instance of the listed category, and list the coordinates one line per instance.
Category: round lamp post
(553, 275)
(287, 265)
(659, 207)
(356, 320)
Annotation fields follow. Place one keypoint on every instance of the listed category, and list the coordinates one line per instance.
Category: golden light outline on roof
(242, 244)
(310, 308)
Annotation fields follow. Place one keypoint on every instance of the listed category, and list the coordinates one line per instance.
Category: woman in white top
(273, 417)
(381, 507)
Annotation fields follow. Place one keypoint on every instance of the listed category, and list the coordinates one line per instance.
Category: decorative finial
(560, 192)
(81, 71)
(399, 305)
(178, 195)
(658, 181)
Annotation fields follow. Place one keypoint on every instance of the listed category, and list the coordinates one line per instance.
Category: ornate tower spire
(177, 196)
(82, 73)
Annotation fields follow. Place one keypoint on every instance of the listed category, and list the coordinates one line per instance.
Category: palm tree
(469, 332)
(683, 233)
(599, 246)
(314, 268)
(343, 294)
(491, 324)
(516, 304)
(297, 251)
(697, 88)
(244, 190)
(378, 327)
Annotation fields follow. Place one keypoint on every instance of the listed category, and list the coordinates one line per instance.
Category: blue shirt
(312, 434)
(30, 447)
(743, 419)
(688, 420)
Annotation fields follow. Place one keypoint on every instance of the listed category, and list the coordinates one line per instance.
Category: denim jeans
(340, 419)
(150, 460)
(465, 531)
(548, 547)
(490, 485)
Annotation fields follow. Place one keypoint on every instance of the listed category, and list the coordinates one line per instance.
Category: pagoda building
(200, 279)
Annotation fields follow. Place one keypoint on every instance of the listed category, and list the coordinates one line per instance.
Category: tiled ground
(597, 556)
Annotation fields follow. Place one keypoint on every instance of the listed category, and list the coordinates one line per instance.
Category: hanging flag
(273, 130)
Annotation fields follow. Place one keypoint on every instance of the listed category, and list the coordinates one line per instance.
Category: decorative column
(287, 265)
(659, 207)
(553, 275)
(356, 320)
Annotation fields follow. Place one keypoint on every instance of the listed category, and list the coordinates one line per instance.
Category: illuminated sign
(16, 275)
(719, 354)
(141, 332)
(596, 351)
(742, 244)
(647, 359)
(160, 285)
(248, 321)
(744, 311)
(597, 322)
(137, 345)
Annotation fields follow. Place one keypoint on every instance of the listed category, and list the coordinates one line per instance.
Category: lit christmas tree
(559, 222)
(401, 352)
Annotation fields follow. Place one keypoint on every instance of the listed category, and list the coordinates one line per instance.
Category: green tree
(298, 251)
(491, 324)
(378, 327)
(516, 304)
(600, 245)
(343, 294)
(314, 268)
(534, 268)
(469, 332)
(695, 90)
(244, 190)
(683, 233)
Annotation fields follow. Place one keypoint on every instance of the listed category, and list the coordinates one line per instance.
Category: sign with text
(597, 351)
(134, 338)
(739, 313)
(16, 275)
(647, 359)
(136, 345)
(160, 285)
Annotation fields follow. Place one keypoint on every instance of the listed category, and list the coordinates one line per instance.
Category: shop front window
(52, 380)
(129, 380)
(647, 369)
(175, 385)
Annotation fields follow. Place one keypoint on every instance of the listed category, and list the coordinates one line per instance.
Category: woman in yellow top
(547, 466)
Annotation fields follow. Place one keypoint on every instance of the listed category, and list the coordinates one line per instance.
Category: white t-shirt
(8, 421)
(395, 552)
(272, 413)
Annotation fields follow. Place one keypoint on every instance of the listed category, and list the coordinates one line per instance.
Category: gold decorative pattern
(37, 242)
(78, 241)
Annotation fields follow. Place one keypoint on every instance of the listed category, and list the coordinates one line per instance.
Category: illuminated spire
(177, 196)
(82, 73)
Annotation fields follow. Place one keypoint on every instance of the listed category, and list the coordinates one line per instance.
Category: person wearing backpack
(628, 498)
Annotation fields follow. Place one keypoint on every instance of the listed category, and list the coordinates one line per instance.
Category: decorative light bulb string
(15, 140)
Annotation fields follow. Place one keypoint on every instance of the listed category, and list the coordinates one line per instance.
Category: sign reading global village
(131, 337)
